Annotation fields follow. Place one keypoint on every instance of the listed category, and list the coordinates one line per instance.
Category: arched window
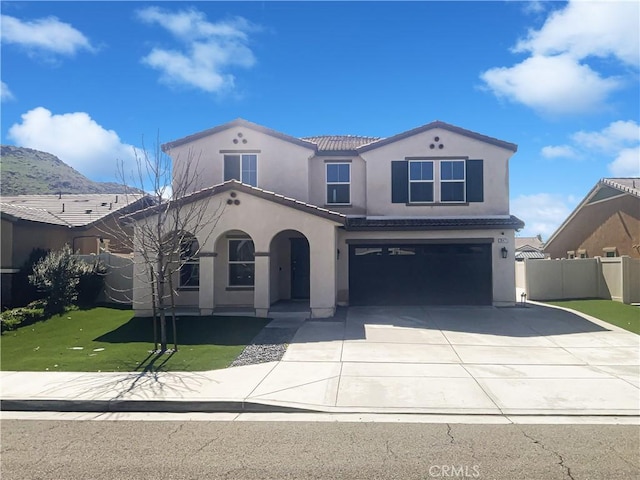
(189, 262)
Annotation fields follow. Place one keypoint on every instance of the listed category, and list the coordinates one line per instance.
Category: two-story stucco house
(419, 218)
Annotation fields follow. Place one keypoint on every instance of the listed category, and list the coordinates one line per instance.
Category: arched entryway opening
(290, 267)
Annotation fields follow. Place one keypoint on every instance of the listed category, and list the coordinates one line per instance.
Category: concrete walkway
(434, 360)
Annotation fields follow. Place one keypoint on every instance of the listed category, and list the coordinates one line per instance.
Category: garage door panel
(396, 274)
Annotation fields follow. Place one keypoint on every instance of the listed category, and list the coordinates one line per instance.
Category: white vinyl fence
(611, 278)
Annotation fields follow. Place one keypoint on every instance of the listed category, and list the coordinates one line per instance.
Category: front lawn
(616, 313)
(113, 340)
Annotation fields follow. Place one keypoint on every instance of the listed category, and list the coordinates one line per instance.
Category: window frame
(432, 181)
(241, 157)
(328, 183)
(191, 262)
(463, 181)
(230, 262)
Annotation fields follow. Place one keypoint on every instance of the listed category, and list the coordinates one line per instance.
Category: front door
(300, 268)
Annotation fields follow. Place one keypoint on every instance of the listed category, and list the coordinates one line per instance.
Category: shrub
(91, 283)
(18, 317)
(57, 276)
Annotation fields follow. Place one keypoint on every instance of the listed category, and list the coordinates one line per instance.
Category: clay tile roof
(330, 143)
(70, 210)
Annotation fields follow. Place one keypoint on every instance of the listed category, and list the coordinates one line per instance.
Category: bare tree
(168, 235)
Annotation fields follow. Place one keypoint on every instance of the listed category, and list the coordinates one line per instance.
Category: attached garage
(420, 274)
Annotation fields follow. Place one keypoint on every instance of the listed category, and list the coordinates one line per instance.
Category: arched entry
(290, 266)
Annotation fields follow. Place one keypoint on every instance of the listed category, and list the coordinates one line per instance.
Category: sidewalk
(453, 360)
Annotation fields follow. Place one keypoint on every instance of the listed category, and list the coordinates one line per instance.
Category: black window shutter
(475, 181)
(231, 167)
(399, 181)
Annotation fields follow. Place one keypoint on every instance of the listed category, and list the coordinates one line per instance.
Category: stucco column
(262, 292)
(323, 253)
(206, 302)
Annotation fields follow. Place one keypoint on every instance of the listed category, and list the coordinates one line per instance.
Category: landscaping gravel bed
(268, 346)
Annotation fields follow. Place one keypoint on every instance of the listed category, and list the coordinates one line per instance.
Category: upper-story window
(420, 181)
(243, 167)
(437, 181)
(339, 183)
(452, 181)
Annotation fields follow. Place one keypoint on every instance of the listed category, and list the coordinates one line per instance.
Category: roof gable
(248, 189)
(445, 126)
(605, 189)
(239, 122)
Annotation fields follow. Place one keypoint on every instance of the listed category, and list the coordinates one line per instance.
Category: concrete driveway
(478, 360)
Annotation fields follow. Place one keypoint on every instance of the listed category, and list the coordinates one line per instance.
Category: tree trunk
(154, 310)
(173, 314)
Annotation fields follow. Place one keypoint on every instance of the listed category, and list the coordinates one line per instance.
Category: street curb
(155, 406)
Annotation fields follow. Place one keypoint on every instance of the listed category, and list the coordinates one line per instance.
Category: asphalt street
(37, 449)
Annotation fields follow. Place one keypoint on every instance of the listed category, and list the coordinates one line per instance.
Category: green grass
(616, 313)
(113, 340)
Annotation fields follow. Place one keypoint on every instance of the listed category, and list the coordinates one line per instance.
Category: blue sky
(88, 81)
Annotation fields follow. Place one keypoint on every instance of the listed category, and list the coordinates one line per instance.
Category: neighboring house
(88, 223)
(419, 218)
(529, 247)
(605, 224)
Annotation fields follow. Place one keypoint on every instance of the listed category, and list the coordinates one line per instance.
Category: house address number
(503, 240)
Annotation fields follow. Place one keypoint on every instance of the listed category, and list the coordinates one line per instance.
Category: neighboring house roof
(73, 210)
(529, 243)
(524, 254)
(605, 188)
(340, 144)
(239, 122)
(244, 188)
(469, 223)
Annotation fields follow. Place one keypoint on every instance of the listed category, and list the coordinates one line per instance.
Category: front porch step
(280, 314)
(234, 311)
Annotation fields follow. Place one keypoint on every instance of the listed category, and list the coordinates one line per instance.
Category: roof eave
(445, 126)
(238, 122)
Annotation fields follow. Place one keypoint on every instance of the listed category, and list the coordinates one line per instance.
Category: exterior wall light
(504, 252)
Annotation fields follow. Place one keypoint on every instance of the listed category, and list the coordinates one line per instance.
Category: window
(582, 253)
(420, 181)
(339, 183)
(241, 263)
(241, 167)
(189, 262)
(452, 180)
(610, 252)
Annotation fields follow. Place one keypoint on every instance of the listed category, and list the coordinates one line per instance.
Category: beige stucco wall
(318, 184)
(503, 270)
(6, 260)
(262, 220)
(496, 174)
(283, 167)
(614, 222)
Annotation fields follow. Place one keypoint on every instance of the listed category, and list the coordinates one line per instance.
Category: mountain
(31, 172)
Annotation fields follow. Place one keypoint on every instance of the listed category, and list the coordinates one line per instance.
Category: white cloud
(556, 85)
(559, 151)
(5, 93)
(76, 139)
(45, 35)
(618, 144)
(617, 135)
(627, 163)
(542, 212)
(207, 52)
(558, 77)
(584, 29)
